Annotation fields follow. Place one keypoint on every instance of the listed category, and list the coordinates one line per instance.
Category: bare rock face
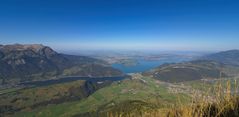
(26, 62)
(29, 50)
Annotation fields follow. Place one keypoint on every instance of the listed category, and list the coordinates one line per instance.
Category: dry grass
(220, 101)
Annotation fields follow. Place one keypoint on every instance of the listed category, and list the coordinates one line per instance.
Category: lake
(70, 79)
(144, 65)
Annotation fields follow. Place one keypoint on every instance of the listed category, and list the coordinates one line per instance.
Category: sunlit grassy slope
(141, 95)
(222, 100)
(30, 98)
(143, 89)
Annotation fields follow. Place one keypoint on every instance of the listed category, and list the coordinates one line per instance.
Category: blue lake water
(70, 79)
(145, 65)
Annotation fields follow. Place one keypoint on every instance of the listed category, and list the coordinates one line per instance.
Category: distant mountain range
(222, 64)
(30, 62)
(36, 62)
(230, 57)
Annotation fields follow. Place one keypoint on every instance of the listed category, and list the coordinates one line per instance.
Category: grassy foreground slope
(140, 95)
(221, 100)
(31, 98)
(140, 90)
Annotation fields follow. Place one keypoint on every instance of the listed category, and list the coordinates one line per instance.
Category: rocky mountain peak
(21, 47)
(26, 62)
(27, 49)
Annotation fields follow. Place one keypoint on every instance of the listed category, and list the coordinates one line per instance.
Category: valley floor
(138, 93)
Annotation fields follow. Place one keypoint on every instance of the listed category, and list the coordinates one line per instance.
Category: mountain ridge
(29, 61)
(230, 57)
(213, 66)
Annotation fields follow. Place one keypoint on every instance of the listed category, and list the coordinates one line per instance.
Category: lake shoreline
(71, 79)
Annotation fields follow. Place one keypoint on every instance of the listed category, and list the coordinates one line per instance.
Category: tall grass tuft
(222, 101)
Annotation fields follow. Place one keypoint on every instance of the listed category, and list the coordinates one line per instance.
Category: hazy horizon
(79, 50)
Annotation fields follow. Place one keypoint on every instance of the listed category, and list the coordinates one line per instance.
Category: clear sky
(122, 24)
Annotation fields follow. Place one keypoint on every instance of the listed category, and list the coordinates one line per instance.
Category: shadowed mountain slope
(27, 62)
(230, 57)
(222, 64)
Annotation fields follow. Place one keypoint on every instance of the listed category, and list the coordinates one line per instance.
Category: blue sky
(202, 25)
